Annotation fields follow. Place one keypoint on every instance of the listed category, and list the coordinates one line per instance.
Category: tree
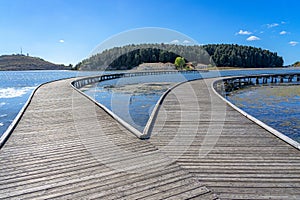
(179, 62)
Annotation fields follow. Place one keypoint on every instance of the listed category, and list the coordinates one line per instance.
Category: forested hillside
(219, 55)
(242, 56)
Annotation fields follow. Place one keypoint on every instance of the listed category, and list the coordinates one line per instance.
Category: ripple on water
(13, 92)
(276, 105)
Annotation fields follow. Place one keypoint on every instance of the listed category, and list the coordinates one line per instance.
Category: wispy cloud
(61, 41)
(174, 42)
(186, 42)
(242, 32)
(272, 25)
(283, 33)
(253, 38)
(293, 43)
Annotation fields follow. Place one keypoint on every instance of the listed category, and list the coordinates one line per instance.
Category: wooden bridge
(66, 147)
(90, 80)
(233, 83)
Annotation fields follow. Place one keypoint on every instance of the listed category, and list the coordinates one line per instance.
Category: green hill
(22, 62)
(220, 55)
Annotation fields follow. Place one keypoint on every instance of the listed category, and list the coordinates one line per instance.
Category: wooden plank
(244, 161)
(66, 147)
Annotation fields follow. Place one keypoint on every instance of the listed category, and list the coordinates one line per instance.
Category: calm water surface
(276, 105)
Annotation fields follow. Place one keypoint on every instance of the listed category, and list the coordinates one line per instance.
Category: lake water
(133, 106)
(276, 105)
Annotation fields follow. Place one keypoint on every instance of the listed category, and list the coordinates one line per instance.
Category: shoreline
(208, 69)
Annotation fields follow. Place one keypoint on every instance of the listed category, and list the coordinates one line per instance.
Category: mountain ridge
(20, 62)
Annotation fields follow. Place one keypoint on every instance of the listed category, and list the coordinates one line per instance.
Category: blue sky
(66, 31)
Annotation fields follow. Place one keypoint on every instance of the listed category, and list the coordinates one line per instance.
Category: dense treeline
(130, 56)
(242, 56)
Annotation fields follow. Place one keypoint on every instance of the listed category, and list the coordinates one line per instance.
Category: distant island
(23, 62)
(198, 56)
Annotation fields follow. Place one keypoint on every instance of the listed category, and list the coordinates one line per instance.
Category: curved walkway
(230, 154)
(66, 147)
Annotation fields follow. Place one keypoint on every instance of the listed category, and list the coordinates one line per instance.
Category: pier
(49, 156)
(234, 83)
(65, 146)
(231, 155)
(90, 80)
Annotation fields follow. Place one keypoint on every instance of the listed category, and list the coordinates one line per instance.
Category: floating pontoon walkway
(231, 155)
(48, 156)
(66, 147)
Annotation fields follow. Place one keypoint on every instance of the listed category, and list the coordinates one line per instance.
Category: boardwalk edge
(258, 122)
(146, 134)
(16, 120)
(136, 132)
(150, 123)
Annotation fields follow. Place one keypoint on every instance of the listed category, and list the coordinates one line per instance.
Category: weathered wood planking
(244, 161)
(65, 147)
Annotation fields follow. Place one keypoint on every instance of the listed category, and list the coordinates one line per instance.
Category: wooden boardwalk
(65, 147)
(49, 156)
(230, 154)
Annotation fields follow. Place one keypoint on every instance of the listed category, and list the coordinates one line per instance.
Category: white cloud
(174, 41)
(283, 33)
(253, 38)
(272, 25)
(61, 41)
(186, 42)
(293, 43)
(241, 32)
